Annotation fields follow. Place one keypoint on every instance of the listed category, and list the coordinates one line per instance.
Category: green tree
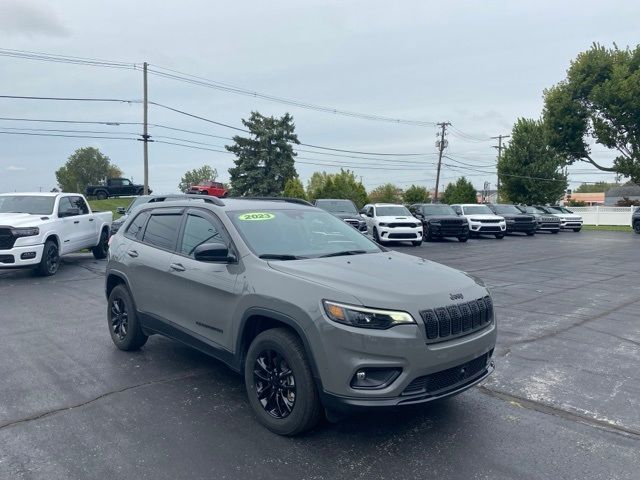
(265, 161)
(529, 170)
(294, 189)
(575, 203)
(196, 176)
(599, 101)
(416, 194)
(337, 185)
(85, 166)
(597, 187)
(387, 193)
(462, 191)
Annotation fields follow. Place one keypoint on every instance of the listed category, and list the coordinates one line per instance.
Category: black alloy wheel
(50, 261)
(119, 319)
(275, 384)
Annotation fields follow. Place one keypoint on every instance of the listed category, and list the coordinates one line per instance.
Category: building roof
(624, 191)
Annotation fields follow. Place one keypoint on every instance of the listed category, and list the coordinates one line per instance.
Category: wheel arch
(257, 320)
(113, 280)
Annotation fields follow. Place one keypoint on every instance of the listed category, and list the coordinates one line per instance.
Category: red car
(209, 187)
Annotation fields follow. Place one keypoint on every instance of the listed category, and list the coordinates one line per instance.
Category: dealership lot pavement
(564, 401)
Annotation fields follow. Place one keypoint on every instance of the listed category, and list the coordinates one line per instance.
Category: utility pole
(145, 133)
(499, 147)
(441, 144)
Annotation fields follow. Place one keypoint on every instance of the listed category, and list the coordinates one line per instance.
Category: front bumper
(548, 226)
(347, 350)
(440, 230)
(399, 234)
(488, 228)
(14, 257)
(570, 224)
(523, 227)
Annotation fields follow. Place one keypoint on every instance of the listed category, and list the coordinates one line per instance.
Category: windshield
(507, 209)
(298, 233)
(337, 206)
(392, 211)
(559, 210)
(32, 204)
(531, 209)
(437, 209)
(477, 210)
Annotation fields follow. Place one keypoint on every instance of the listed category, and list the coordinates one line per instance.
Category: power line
(69, 121)
(30, 55)
(70, 99)
(66, 136)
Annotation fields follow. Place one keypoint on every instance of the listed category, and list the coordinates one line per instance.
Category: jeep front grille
(457, 320)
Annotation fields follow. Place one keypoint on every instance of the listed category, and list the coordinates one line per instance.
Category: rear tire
(295, 406)
(101, 195)
(101, 250)
(124, 325)
(50, 261)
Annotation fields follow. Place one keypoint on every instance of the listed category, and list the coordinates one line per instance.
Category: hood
(345, 215)
(397, 219)
(484, 216)
(21, 219)
(386, 279)
(430, 218)
(518, 215)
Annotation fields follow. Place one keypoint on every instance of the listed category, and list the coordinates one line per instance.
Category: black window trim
(162, 211)
(207, 215)
(142, 229)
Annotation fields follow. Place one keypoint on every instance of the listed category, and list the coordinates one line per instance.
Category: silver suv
(312, 313)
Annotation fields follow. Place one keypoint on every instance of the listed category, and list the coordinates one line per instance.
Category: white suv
(481, 219)
(388, 222)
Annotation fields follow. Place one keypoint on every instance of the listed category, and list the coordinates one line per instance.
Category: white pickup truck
(37, 228)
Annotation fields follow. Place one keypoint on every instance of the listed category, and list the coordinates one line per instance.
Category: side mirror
(213, 252)
(121, 210)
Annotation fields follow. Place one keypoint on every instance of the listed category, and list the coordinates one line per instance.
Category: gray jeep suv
(311, 312)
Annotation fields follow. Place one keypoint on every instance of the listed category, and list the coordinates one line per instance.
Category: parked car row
(427, 221)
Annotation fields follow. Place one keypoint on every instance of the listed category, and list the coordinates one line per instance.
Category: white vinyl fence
(598, 215)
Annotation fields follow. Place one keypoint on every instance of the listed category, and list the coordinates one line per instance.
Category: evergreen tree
(462, 191)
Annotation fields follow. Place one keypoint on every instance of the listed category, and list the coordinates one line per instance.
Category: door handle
(76, 221)
(91, 219)
(177, 267)
(132, 253)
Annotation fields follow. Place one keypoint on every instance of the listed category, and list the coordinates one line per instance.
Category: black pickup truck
(517, 221)
(115, 187)
(635, 220)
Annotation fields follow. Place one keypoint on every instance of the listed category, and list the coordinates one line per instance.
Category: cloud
(14, 168)
(23, 18)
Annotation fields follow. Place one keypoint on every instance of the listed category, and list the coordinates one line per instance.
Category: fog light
(28, 255)
(369, 378)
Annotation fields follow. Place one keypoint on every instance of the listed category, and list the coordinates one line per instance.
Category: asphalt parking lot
(564, 401)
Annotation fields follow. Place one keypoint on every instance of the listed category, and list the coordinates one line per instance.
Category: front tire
(531, 234)
(124, 325)
(463, 239)
(279, 383)
(376, 237)
(101, 250)
(636, 227)
(50, 261)
(416, 243)
(555, 231)
(499, 236)
(427, 235)
(577, 229)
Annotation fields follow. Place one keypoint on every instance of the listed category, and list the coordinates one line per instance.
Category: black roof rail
(206, 198)
(299, 201)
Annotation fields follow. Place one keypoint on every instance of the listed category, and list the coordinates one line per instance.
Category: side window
(136, 226)
(80, 204)
(162, 231)
(63, 206)
(116, 182)
(125, 182)
(198, 230)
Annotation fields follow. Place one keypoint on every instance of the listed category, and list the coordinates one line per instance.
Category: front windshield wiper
(278, 256)
(343, 252)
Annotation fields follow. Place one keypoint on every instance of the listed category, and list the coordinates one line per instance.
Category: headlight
(382, 224)
(474, 220)
(365, 317)
(464, 222)
(510, 220)
(25, 232)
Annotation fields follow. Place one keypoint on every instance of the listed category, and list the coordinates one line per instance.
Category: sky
(477, 64)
